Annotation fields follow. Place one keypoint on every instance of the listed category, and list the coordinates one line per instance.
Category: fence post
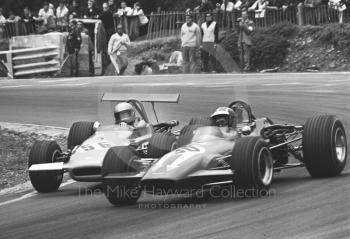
(300, 13)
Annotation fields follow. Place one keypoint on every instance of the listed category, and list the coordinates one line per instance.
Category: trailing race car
(88, 143)
(206, 158)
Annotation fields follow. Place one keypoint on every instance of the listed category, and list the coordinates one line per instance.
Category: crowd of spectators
(56, 18)
(259, 7)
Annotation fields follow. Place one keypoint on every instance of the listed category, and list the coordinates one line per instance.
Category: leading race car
(88, 143)
(207, 157)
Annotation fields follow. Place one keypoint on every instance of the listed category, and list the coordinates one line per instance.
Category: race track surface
(300, 207)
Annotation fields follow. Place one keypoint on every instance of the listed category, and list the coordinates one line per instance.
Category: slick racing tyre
(160, 144)
(253, 167)
(324, 146)
(204, 121)
(45, 152)
(186, 135)
(79, 132)
(120, 160)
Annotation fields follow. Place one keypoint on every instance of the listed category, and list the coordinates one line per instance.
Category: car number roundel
(94, 146)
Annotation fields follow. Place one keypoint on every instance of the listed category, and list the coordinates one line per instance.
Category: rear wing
(152, 98)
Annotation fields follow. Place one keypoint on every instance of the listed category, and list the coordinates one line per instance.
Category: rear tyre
(324, 146)
(45, 152)
(120, 160)
(253, 166)
(160, 144)
(186, 135)
(79, 132)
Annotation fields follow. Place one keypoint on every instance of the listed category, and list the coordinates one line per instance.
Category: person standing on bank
(117, 50)
(245, 40)
(73, 47)
(210, 39)
(190, 42)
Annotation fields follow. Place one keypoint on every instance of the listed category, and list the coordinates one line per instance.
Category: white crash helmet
(223, 116)
(124, 112)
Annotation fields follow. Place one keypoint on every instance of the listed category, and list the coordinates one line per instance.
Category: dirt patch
(15, 143)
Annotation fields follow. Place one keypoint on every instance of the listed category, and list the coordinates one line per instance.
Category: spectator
(12, 17)
(47, 17)
(227, 5)
(62, 16)
(137, 20)
(91, 12)
(205, 6)
(124, 10)
(112, 6)
(117, 50)
(339, 6)
(238, 5)
(2, 17)
(210, 38)
(190, 41)
(75, 9)
(84, 31)
(107, 20)
(141, 19)
(245, 40)
(122, 13)
(259, 7)
(27, 15)
(73, 47)
(27, 18)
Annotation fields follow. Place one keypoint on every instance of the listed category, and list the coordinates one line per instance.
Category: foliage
(269, 49)
(337, 35)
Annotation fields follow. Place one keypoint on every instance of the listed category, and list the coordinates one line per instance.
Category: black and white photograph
(174, 119)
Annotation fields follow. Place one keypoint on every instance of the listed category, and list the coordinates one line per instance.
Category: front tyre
(120, 160)
(45, 152)
(160, 144)
(253, 167)
(324, 146)
(79, 132)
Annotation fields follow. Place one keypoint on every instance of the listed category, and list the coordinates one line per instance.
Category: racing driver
(223, 118)
(125, 115)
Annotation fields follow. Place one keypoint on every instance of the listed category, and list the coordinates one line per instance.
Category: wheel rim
(58, 175)
(265, 166)
(340, 145)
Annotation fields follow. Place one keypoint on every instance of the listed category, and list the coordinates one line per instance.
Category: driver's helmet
(223, 117)
(124, 112)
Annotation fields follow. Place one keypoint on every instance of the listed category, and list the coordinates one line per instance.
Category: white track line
(14, 86)
(32, 194)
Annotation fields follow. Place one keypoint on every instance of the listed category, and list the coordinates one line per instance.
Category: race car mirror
(246, 130)
(96, 125)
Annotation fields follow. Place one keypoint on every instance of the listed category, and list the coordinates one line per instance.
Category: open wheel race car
(205, 158)
(88, 143)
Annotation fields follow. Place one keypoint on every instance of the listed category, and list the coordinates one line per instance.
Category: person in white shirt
(210, 39)
(47, 16)
(2, 18)
(122, 13)
(137, 20)
(229, 6)
(62, 16)
(190, 42)
(117, 50)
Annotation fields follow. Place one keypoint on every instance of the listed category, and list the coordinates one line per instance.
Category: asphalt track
(300, 207)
